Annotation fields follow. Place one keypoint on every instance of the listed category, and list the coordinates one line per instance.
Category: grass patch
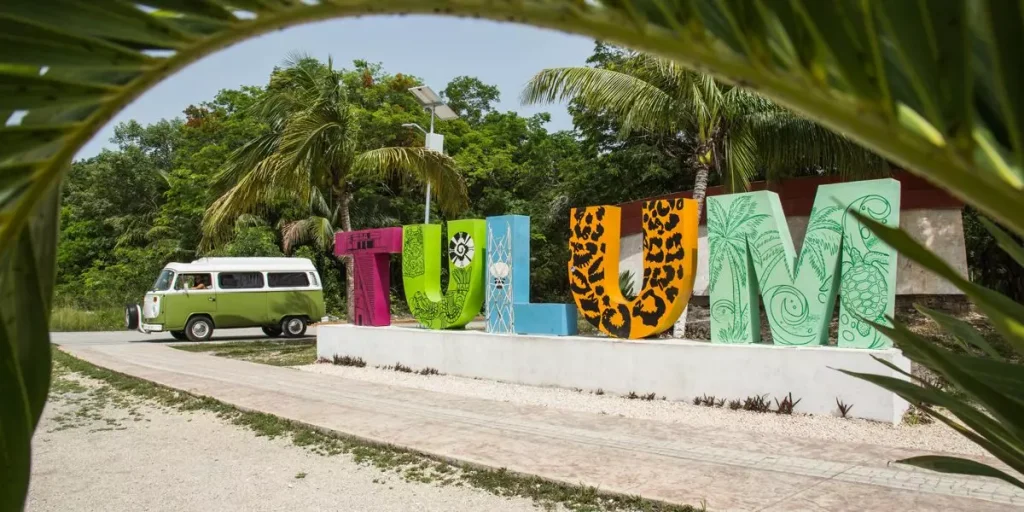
(69, 319)
(410, 465)
(272, 352)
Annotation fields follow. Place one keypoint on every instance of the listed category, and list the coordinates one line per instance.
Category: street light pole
(426, 209)
(435, 142)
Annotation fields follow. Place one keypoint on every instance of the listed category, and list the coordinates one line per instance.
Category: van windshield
(163, 282)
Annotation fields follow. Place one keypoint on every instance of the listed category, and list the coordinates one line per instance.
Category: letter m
(752, 255)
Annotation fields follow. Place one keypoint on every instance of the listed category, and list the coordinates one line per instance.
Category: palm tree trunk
(350, 281)
(700, 189)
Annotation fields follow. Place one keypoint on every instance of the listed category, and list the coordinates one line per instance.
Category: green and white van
(190, 300)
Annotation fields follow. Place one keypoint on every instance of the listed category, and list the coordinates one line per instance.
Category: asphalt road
(122, 337)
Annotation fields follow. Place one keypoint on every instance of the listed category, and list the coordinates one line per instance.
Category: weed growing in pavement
(300, 475)
(708, 401)
(786, 405)
(647, 397)
(398, 367)
(844, 408)
(429, 371)
(915, 416)
(599, 392)
(757, 403)
(409, 465)
(735, 405)
(348, 361)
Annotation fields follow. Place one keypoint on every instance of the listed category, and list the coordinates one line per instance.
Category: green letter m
(752, 253)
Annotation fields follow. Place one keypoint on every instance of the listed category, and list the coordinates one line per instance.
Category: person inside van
(194, 282)
(202, 282)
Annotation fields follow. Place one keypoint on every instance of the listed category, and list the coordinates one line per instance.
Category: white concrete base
(678, 370)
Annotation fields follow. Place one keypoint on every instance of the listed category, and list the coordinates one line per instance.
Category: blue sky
(432, 48)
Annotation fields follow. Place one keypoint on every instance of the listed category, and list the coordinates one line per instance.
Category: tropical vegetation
(934, 87)
(736, 133)
(312, 152)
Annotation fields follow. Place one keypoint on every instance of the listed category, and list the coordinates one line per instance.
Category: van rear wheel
(199, 328)
(272, 332)
(294, 327)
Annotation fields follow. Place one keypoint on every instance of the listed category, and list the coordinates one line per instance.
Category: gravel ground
(932, 437)
(100, 450)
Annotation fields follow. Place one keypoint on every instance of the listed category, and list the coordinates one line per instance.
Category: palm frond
(787, 142)
(740, 150)
(271, 180)
(425, 166)
(316, 231)
(639, 104)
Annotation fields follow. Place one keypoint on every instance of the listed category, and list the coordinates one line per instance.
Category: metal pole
(426, 210)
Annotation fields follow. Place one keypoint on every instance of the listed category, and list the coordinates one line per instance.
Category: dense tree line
(130, 210)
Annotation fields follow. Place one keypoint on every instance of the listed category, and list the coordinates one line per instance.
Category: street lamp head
(445, 113)
(429, 99)
(425, 95)
(414, 125)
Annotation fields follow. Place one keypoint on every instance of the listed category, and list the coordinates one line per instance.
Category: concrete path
(674, 463)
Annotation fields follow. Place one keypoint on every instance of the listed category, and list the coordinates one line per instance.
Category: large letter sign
(421, 272)
(670, 266)
(752, 252)
(508, 284)
(370, 250)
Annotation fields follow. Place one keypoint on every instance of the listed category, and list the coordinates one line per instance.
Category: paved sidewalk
(729, 470)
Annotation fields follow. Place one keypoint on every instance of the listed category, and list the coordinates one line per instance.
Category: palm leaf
(640, 104)
(423, 164)
(317, 231)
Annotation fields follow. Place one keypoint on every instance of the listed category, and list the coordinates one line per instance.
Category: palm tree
(737, 133)
(311, 154)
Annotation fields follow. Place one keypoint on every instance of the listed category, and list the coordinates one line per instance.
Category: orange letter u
(670, 266)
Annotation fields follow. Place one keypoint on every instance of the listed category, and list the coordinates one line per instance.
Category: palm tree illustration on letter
(727, 236)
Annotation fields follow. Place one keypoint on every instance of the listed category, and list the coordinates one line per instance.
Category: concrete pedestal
(678, 370)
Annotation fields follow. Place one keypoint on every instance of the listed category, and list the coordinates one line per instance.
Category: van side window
(287, 279)
(313, 278)
(193, 282)
(239, 280)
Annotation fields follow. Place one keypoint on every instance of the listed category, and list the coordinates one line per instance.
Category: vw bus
(190, 300)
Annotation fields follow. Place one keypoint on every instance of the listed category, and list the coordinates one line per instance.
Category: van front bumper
(148, 328)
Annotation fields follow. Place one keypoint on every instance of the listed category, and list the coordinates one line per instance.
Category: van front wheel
(294, 327)
(271, 332)
(179, 335)
(199, 328)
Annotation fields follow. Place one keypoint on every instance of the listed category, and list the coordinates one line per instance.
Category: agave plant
(934, 86)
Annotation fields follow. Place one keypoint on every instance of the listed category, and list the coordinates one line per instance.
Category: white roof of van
(245, 265)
